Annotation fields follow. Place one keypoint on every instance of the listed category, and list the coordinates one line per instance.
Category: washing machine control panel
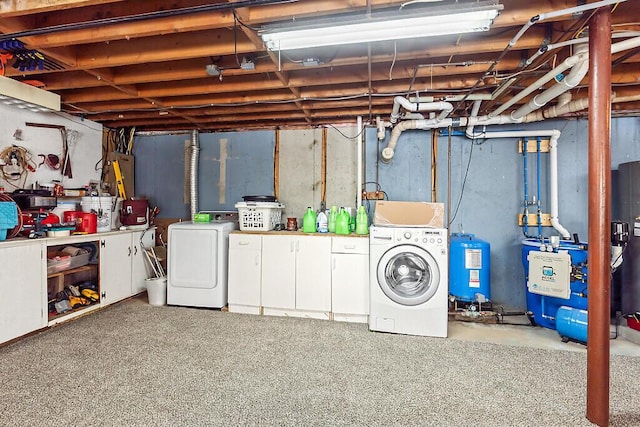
(421, 236)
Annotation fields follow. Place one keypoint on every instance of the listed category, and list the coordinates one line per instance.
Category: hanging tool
(116, 171)
(66, 161)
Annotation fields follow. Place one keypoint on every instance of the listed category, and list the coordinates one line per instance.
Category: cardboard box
(409, 214)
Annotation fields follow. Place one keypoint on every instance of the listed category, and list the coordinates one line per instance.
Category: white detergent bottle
(322, 222)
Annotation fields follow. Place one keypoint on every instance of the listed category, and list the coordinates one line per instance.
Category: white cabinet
(115, 267)
(140, 270)
(245, 265)
(279, 272)
(350, 279)
(313, 275)
(23, 285)
(296, 275)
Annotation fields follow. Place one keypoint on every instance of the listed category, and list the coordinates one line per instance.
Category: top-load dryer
(409, 280)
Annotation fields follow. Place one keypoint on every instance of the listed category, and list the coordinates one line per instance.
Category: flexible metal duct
(193, 173)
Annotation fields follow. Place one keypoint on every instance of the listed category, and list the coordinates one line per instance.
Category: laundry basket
(259, 216)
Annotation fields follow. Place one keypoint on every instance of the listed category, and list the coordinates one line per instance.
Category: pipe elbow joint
(387, 154)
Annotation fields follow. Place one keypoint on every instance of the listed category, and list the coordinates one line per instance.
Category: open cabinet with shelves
(72, 278)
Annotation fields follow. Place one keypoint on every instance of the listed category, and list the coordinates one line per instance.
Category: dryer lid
(408, 275)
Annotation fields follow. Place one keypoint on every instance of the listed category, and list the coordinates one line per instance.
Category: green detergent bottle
(333, 214)
(309, 221)
(362, 221)
(342, 222)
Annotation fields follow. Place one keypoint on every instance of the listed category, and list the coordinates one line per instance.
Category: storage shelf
(54, 315)
(73, 270)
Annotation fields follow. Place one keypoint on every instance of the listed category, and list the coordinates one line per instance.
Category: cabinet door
(115, 268)
(278, 272)
(313, 273)
(23, 302)
(140, 270)
(244, 271)
(350, 284)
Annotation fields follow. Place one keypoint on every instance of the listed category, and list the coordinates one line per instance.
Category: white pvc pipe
(565, 65)
(574, 77)
(553, 168)
(577, 9)
(474, 113)
(359, 161)
(444, 107)
(625, 45)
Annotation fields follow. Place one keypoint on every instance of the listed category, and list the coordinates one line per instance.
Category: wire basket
(259, 216)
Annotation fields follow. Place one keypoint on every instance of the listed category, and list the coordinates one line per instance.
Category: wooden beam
(10, 8)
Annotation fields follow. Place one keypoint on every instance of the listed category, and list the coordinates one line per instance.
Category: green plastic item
(362, 221)
(342, 222)
(333, 214)
(202, 217)
(309, 221)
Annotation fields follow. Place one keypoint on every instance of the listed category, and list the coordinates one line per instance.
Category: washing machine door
(408, 275)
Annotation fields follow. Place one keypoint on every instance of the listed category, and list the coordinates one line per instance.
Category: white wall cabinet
(23, 306)
(350, 279)
(245, 275)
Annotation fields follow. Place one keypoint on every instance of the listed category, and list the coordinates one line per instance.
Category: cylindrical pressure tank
(571, 323)
(469, 268)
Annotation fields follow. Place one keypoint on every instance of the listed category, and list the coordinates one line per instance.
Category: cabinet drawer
(245, 241)
(349, 245)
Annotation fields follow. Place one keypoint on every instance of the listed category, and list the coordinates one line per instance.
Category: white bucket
(62, 207)
(103, 207)
(157, 290)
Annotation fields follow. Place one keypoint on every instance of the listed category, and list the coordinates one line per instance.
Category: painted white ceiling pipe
(444, 107)
(565, 65)
(474, 113)
(574, 77)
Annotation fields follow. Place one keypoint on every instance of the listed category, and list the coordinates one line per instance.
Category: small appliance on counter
(134, 213)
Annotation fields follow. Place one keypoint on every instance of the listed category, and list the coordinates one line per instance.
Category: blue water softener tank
(544, 308)
(571, 324)
(469, 268)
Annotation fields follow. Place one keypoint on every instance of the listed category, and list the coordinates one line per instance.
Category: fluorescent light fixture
(395, 25)
(22, 95)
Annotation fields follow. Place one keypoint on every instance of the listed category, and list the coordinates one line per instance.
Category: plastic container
(103, 207)
(259, 216)
(157, 290)
(342, 222)
(8, 218)
(333, 214)
(571, 323)
(469, 268)
(64, 206)
(322, 222)
(362, 221)
(544, 308)
(63, 261)
(87, 222)
(309, 221)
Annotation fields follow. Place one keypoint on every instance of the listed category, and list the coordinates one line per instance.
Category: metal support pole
(599, 216)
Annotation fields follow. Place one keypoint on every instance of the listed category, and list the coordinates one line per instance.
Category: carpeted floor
(137, 365)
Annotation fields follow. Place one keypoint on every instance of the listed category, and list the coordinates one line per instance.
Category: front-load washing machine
(409, 280)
